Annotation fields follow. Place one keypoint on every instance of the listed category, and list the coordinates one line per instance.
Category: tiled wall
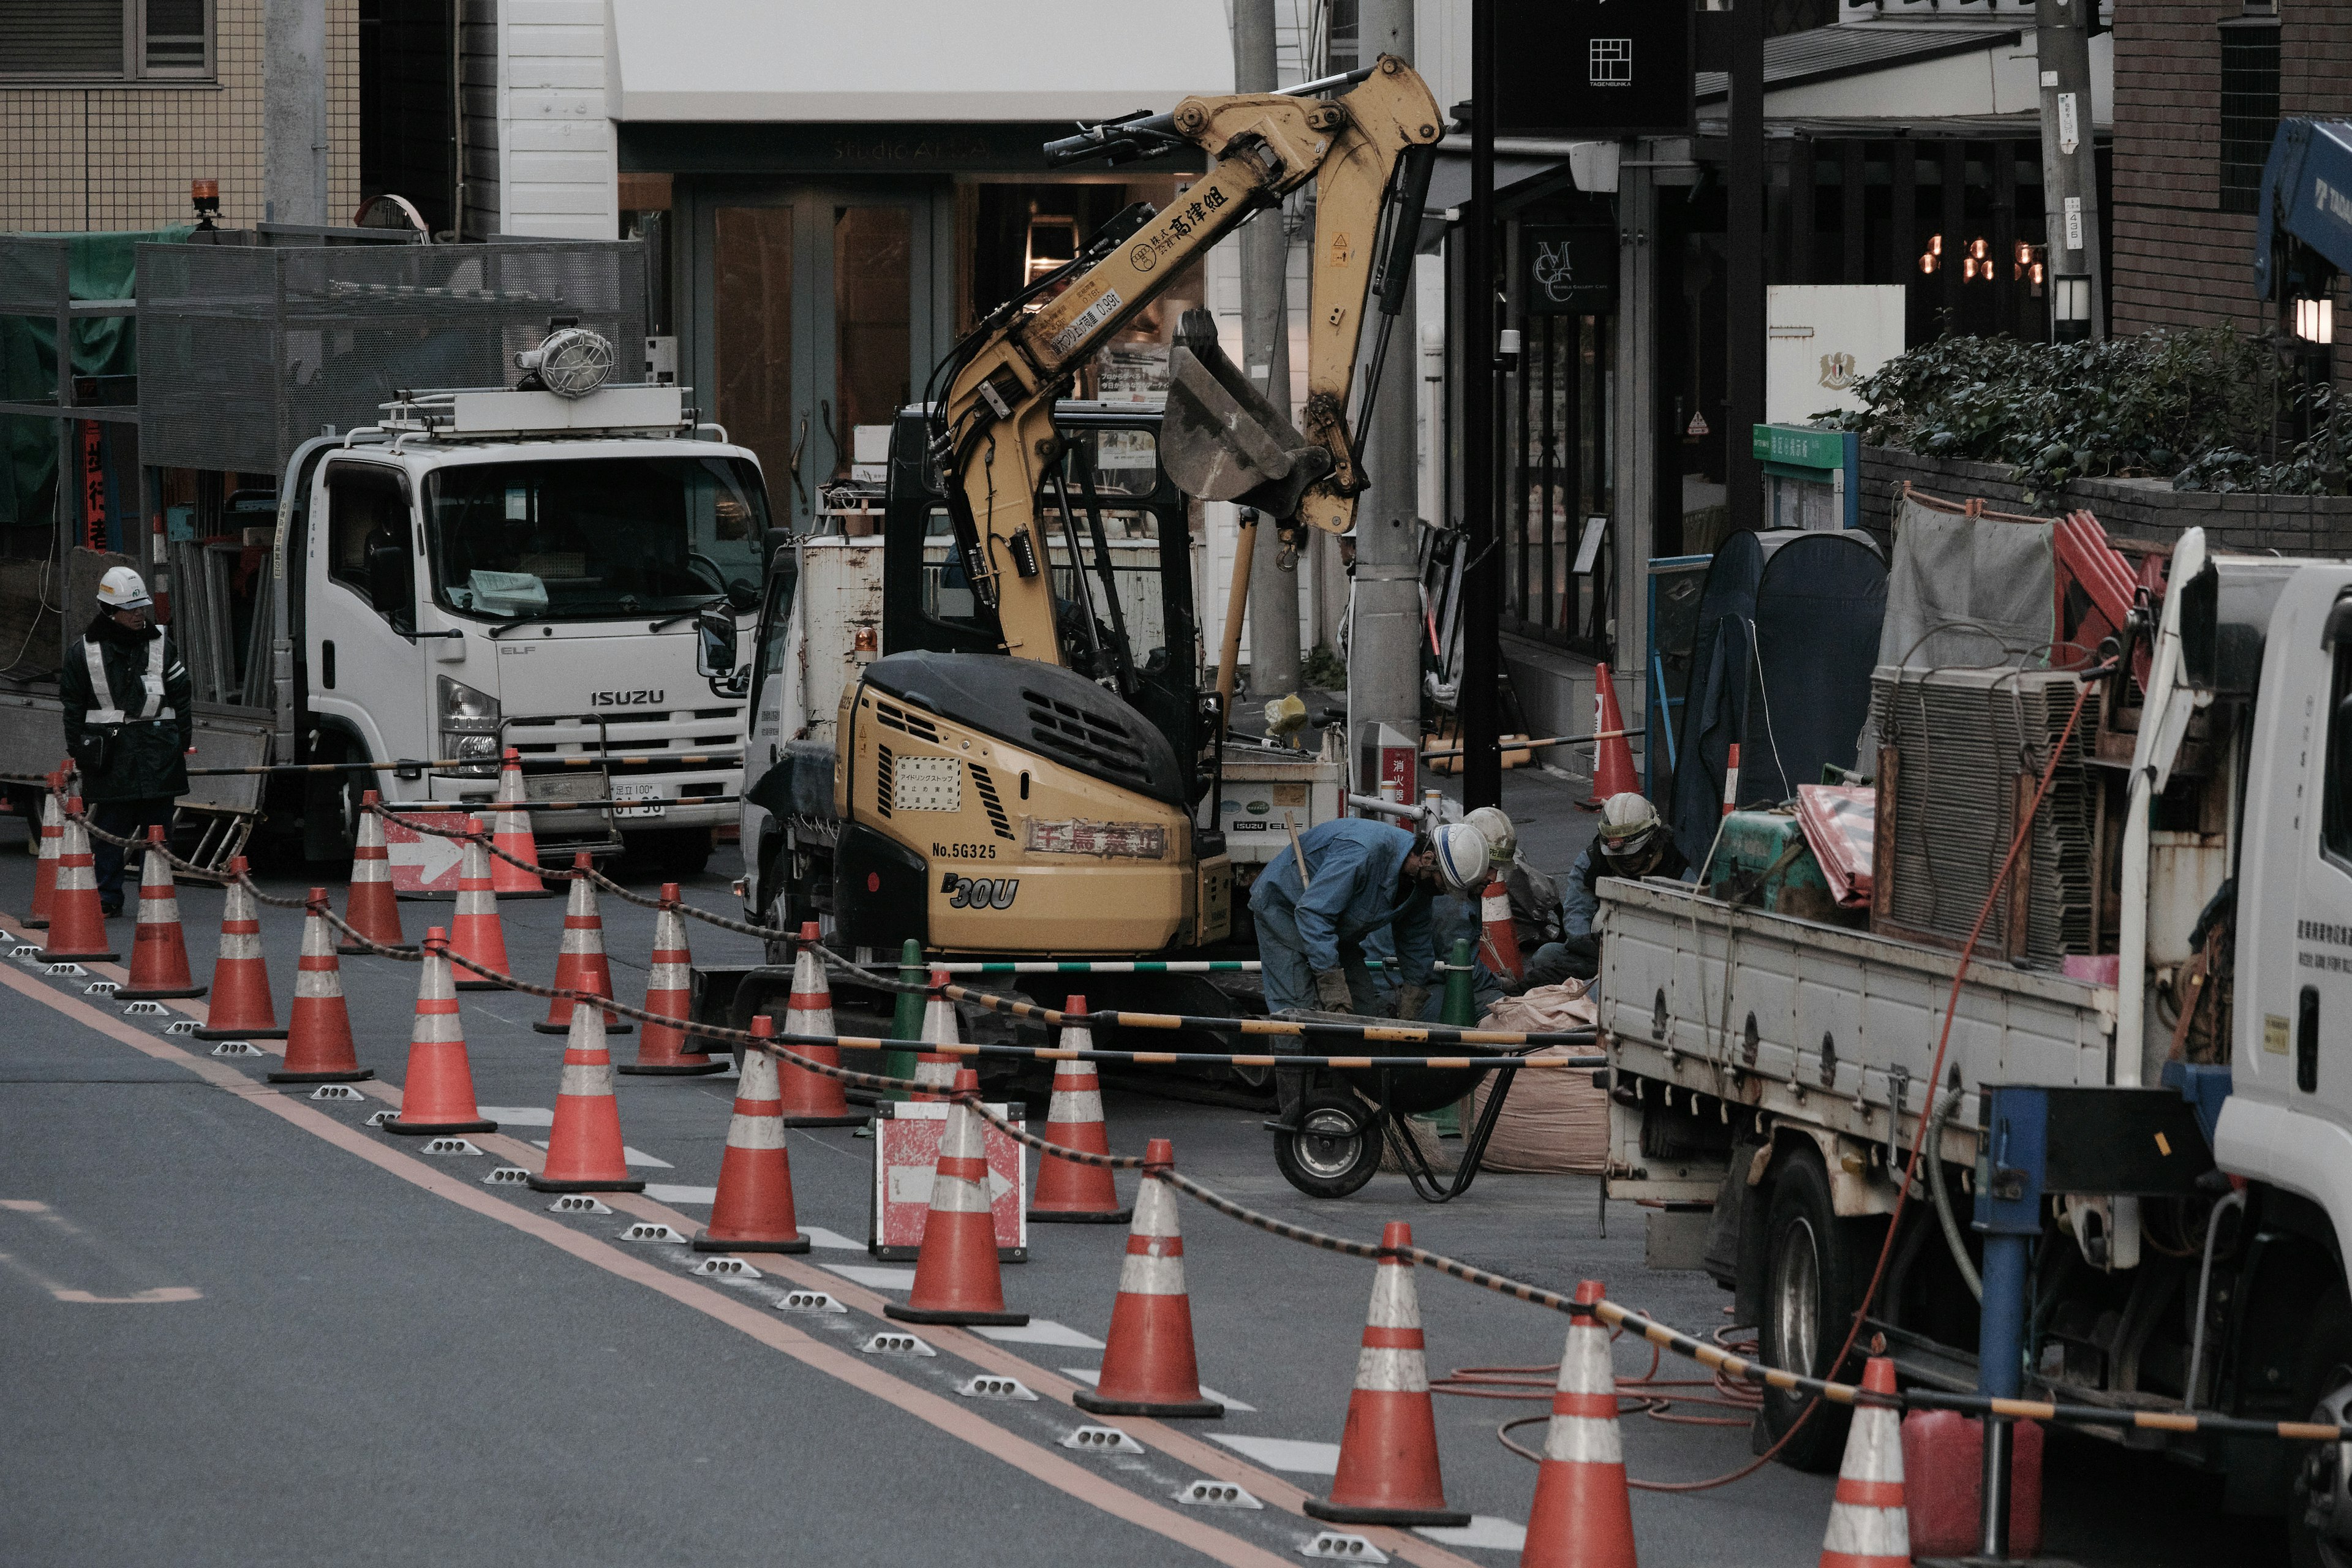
(122, 157)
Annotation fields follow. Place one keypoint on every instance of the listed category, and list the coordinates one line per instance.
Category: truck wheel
(2319, 1509)
(1335, 1150)
(1814, 1274)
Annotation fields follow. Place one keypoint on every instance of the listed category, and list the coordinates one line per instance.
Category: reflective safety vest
(151, 682)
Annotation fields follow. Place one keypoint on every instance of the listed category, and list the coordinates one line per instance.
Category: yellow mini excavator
(1015, 789)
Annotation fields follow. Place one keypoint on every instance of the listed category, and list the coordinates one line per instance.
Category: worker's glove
(1411, 1000)
(1331, 991)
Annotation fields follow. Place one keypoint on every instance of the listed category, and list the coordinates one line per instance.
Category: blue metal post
(2009, 1173)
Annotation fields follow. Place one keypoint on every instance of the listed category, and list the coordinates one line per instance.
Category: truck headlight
(469, 727)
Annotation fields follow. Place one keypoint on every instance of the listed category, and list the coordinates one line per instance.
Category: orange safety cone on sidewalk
(1498, 940)
(1869, 1524)
(811, 1098)
(45, 870)
(319, 1047)
(473, 930)
(370, 909)
(1148, 1366)
(957, 1276)
(1068, 1192)
(935, 1071)
(580, 963)
(1582, 1516)
(437, 1094)
(1388, 1452)
(1613, 754)
(585, 1151)
(754, 1209)
(159, 952)
(510, 831)
(665, 1049)
(241, 1009)
(77, 923)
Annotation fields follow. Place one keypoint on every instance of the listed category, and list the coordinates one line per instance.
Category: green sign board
(1800, 447)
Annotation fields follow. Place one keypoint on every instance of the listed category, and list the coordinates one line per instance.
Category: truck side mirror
(388, 587)
(714, 651)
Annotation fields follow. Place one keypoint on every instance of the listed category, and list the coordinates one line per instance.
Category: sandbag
(1555, 1120)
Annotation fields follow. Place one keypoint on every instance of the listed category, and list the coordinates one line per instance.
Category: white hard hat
(123, 589)
(1628, 822)
(1502, 839)
(1463, 856)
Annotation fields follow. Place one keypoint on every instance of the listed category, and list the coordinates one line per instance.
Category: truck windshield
(595, 537)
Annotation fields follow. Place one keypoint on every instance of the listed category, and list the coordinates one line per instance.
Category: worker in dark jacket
(1631, 843)
(130, 722)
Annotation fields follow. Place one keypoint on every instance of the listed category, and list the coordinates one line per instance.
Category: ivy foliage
(2199, 407)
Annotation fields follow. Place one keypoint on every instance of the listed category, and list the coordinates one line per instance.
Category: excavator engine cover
(1221, 439)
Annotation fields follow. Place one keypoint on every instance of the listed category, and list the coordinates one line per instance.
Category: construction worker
(130, 722)
(1632, 842)
(1360, 877)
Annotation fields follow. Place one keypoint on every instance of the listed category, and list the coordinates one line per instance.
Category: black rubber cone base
(1094, 1404)
(1094, 1216)
(352, 1076)
(163, 996)
(705, 1242)
(434, 1129)
(29, 923)
(544, 1184)
(824, 1121)
(565, 1027)
(48, 957)
(1331, 1513)
(905, 1314)
(674, 1069)
(239, 1034)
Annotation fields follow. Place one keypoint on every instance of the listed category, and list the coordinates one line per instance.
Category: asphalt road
(243, 1328)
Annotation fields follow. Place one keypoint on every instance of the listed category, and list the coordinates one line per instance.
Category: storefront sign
(1569, 68)
(1569, 269)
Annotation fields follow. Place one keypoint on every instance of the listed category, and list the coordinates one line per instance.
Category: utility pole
(1266, 360)
(2070, 170)
(294, 111)
(1477, 706)
(1743, 306)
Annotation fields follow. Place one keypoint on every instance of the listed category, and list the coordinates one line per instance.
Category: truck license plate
(648, 798)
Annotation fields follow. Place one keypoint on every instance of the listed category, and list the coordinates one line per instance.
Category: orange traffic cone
(241, 1008)
(665, 1049)
(957, 1279)
(1613, 754)
(1070, 1192)
(811, 1098)
(318, 1043)
(510, 831)
(159, 953)
(585, 1153)
(754, 1209)
(437, 1095)
(370, 909)
(1147, 1368)
(1388, 1452)
(77, 924)
(45, 870)
(1498, 940)
(580, 963)
(935, 1071)
(1870, 1526)
(475, 932)
(1582, 1516)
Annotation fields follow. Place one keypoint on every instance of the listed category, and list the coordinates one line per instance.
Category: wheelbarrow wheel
(1336, 1149)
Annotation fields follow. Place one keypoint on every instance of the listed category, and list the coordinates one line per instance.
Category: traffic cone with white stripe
(1147, 1366)
(1388, 1470)
(585, 1153)
(510, 831)
(1582, 1516)
(811, 1099)
(437, 1094)
(663, 1049)
(754, 1209)
(474, 931)
(241, 1008)
(1498, 940)
(77, 923)
(1870, 1526)
(1068, 1192)
(370, 909)
(1613, 754)
(957, 1276)
(580, 963)
(45, 870)
(159, 952)
(935, 1071)
(319, 1047)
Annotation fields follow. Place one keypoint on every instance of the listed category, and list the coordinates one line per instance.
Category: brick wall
(122, 157)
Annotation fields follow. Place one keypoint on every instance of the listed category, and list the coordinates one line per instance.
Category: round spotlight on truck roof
(571, 361)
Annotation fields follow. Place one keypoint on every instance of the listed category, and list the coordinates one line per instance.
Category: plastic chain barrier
(408, 765)
(1609, 1313)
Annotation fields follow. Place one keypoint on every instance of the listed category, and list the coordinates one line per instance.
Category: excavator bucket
(1221, 439)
